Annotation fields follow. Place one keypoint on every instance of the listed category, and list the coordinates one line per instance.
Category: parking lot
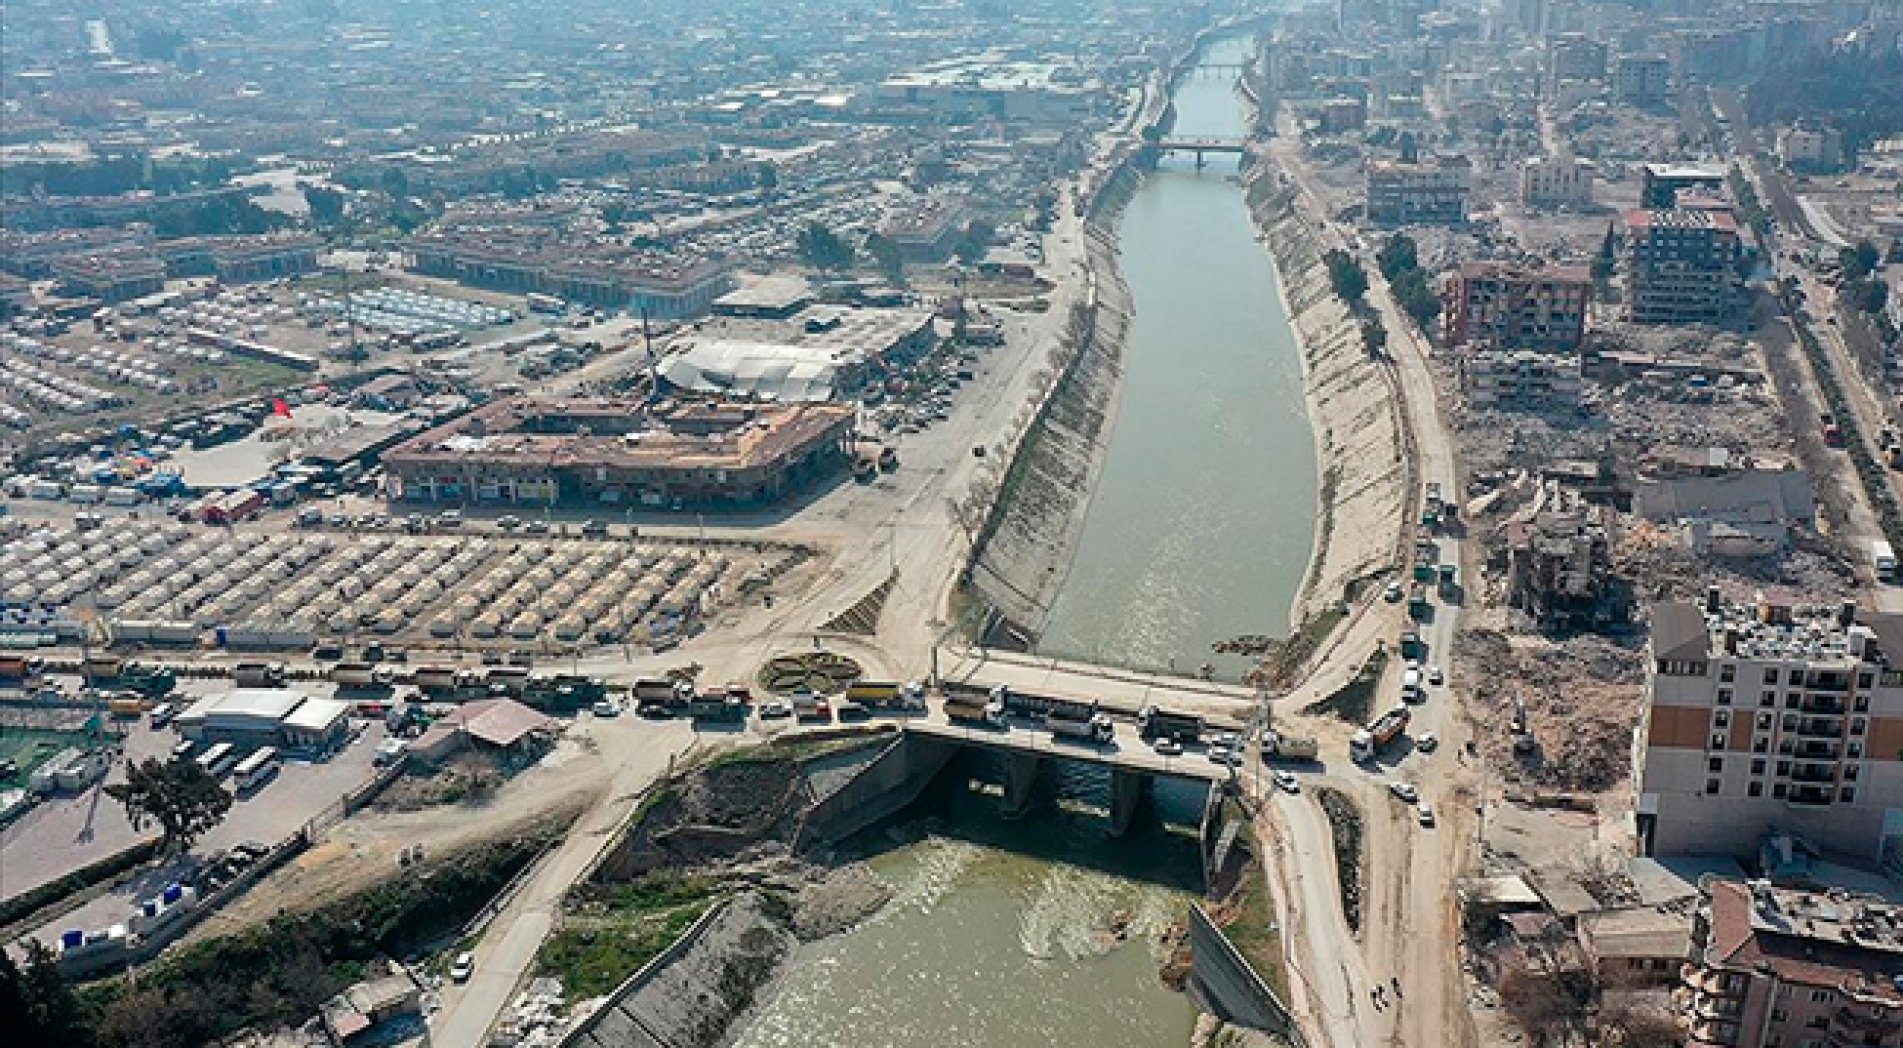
(68, 831)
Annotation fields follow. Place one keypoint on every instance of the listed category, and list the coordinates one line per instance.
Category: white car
(1285, 782)
(1168, 747)
(1424, 813)
(1427, 742)
(1405, 791)
(775, 709)
(1393, 593)
(1435, 677)
(462, 967)
(1224, 756)
(607, 708)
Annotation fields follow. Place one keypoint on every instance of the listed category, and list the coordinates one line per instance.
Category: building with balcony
(1642, 79)
(1512, 306)
(1556, 181)
(1681, 265)
(1432, 192)
(1510, 378)
(1811, 147)
(1776, 968)
(1770, 717)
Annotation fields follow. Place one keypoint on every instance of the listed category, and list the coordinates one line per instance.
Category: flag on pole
(280, 408)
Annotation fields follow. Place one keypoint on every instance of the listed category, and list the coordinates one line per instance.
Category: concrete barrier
(1227, 986)
(887, 783)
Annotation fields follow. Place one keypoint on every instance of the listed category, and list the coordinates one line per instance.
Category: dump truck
(983, 712)
(354, 675)
(126, 707)
(809, 706)
(717, 706)
(19, 671)
(659, 697)
(1411, 646)
(1378, 734)
(1156, 723)
(152, 682)
(1276, 746)
(435, 678)
(563, 691)
(1431, 506)
(874, 693)
(1417, 600)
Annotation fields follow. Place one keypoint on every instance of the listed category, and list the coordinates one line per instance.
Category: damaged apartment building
(1518, 330)
(1558, 563)
(1725, 505)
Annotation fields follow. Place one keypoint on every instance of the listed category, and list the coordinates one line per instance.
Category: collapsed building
(1558, 555)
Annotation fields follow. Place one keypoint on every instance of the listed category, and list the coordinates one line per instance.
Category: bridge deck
(1127, 752)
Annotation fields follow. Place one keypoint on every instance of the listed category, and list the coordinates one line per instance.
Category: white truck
(1883, 560)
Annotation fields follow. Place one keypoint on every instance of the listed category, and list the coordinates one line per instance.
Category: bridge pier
(1020, 774)
(1126, 796)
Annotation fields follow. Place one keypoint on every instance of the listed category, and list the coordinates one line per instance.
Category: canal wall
(871, 790)
(1359, 433)
(1021, 553)
(1226, 985)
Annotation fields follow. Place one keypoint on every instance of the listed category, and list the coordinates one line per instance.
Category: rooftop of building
(1773, 626)
(1699, 172)
(778, 293)
(1682, 218)
(1851, 943)
(624, 433)
(1504, 270)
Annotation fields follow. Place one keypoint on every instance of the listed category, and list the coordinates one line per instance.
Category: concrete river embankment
(1202, 522)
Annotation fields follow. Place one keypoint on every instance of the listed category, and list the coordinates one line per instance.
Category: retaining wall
(885, 785)
(1226, 985)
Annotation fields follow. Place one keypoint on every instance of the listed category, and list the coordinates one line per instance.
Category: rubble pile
(1582, 697)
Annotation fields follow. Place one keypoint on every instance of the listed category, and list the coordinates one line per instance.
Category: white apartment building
(1431, 192)
(1771, 717)
(1553, 181)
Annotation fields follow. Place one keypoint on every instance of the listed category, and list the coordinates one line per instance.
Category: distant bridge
(1202, 147)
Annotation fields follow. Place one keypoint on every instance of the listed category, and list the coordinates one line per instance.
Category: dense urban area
(1007, 522)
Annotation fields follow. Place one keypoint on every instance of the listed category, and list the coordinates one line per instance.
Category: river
(1000, 933)
(1203, 521)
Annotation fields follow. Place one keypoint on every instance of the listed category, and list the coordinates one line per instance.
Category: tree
(179, 795)
(37, 1005)
(326, 204)
(885, 254)
(395, 183)
(1398, 256)
(767, 178)
(822, 248)
(1859, 261)
(1346, 276)
(614, 212)
(1374, 336)
(1869, 294)
(975, 242)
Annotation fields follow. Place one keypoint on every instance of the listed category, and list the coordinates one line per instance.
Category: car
(183, 749)
(1224, 756)
(1167, 747)
(1427, 742)
(607, 708)
(1405, 791)
(593, 527)
(537, 527)
(977, 451)
(509, 522)
(1285, 782)
(462, 967)
(1435, 676)
(1424, 813)
(1227, 740)
(775, 709)
(1393, 593)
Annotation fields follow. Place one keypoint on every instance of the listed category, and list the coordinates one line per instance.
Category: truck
(1417, 600)
(1431, 506)
(258, 675)
(435, 679)
(1157, 723)
(1095, 729)
(357, 675)
(717, 706)
(875, 694)
(1378, 734)
(105, 671)
(19, 671)
(811, 706)
(1411, 646)
(1833, 433)
(1883, 559)
(126, 707)
(563, 691)
(983, 712)
(1276, 746)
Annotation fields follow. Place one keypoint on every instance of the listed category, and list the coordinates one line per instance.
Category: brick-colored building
(1513, 306)
(1775, 968)
(1770, 717)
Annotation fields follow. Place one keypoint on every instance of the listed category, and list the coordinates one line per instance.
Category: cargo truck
(357, 675)
(1883, 560)
(1155, 723)
(258, 675)
(152, 682)
(717, 706)
(1276, 746)
(1095, 729)
(808, 706)
(1376, 736)
(974, 710)
(874, 693)
(562, 691)
(435, 679)
(19, 671)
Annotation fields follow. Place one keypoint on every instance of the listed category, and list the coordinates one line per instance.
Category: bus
(257, 769)
(218, 760)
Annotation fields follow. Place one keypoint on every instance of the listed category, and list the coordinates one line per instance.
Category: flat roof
(317, 714)
(262, 704)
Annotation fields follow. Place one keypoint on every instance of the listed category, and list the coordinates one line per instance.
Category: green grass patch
(31, 747)
(1253, 928)
(593, 958)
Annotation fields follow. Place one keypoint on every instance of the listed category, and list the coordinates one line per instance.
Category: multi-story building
(1513, 306)
(1659, 184)
(1777, 968)
(1519, 378)
(1642, 79)
(1429, 192)
(1770, 717)
(1681, 265)
(1574, 56)
(1556, 181)
(1811, 147)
